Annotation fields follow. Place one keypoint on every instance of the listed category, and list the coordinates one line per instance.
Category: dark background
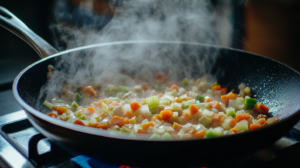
(269, 27)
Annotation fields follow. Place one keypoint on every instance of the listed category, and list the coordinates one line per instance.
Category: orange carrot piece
(206, 99)
(177, 127)
(261, 108)
(141, 131)
(217, 87)
(60, 110)
(160, 95)
(216, 118)
(91, 110)
(103, 126)
(267, 123)
(145, 126)
(126, 121)
(134, 106)
(262, 122)
(187, 116)
(174, 87)
(223, 91)
(99, 103)
(231, 95)
(110, 102)
(52, 114)
(254, 126)
(167, 114)
(216, 105)
(79, 122)
(128, 114)
(200, 134)
(225, 99)
(193, 109)
(90, 91)
(234, 130)
(144, 87)
(144, 102)
(188, 98)
(113, 104)
(116, 120)
(232, 122)
(158, 116)
(178, 100)
(242, 116)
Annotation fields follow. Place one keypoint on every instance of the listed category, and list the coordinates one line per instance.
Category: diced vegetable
(134, 106)
(213, 84)
(116, 120)
(193, 109)
(185, 104)
(152, 102)
(60, 109)
(79, 97)
(166, 136)
(174, 93)
(250, 103)
(52, 114)
(79, 122)
(48, 104)
(212, 133)
(82, 117)
(174, 87)
(155, 137)
(217, 87)
(177, 127)
(232, 122)
(185, 82)
(254, 126)
(176, 106)
(204, 121)
(199, 97)
(261, 108)
(74, 105)
(200, 134)
(164, 102)
(90, 91)
(167, 114)
(242, 126)
(234, 130)
(242, 116)
(123, 88)
(230, 111)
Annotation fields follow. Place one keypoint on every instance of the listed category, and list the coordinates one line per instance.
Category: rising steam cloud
(193, 21)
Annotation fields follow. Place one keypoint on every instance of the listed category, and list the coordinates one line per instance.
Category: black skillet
(274, 84)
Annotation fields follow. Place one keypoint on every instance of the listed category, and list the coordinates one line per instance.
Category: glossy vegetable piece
(250, 103)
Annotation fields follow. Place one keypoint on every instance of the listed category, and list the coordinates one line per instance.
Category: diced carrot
(141, 131)
(147, 125)
(232, 122)
(223, 91)
(188, 98)
(166, 115)
(193, 109)
(160, 95)
(191, 131)
(200, 134)
(262, 122)
(178, 100)
(217, 87)
(99, 103)
(216, 105)
(206, 99)
(91, 110)
(161, 108)
(254, 126)
(231, 95)
(187, 116)
(128, 114)
(267, 123)
(261, 108)
(225, 99)
(126, 121)
(113, 104)
(79, 122)
(116, 120)
(90, 91)
(52, 114)
(103, 126)
(110, 102)
(144, 102)
(91, 125)
(158, 116)
(234, 130)
(177, 127)
(134, 106)
(242, 116)
(216, 118)
(60, 110)
(174, 87)
(144, 87)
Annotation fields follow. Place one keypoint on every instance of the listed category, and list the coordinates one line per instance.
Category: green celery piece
(166, 136)
(174, 93)
(60, 101)
(213, 84)
(204, 121)
(155, 110)
(74, 105)
(202, 105)
(185, 82)
(230, 112)
(152, 102)
(82, 117)
(185, 104)
(48, 104)
(242, 127)
(155, 136)
(176, 106)
(199, 97)
(164, 102)
(123, 88)
(79, 97)
(250, 103)
(212, 133)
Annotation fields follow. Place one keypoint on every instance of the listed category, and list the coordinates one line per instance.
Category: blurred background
(266, 27)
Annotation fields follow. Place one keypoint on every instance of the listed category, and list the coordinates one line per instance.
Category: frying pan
(274, 84)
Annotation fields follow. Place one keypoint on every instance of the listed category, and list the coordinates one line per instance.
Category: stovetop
(21, 145)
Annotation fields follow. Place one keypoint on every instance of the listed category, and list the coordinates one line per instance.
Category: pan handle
(17, 27)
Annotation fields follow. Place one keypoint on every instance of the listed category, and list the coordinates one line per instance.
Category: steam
(193, 21)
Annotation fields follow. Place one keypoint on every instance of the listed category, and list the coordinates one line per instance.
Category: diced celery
(185, 82)
(48, 104)
(204, 121)
(82, 117)
(78, 113)
(152, 102)
(123, 88)
(230, 111)
(185, 104)
(202, 105)
(155, 110)
(213, 84)
(195, 88)
(250, 103)
(155, 136)
(212, 133)
(166, 136)
(199, 97)
(174, 93)
(164, 102)
(225, 126)
(176, 106)
(74, 105)
(79, 97)
(242, 126)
